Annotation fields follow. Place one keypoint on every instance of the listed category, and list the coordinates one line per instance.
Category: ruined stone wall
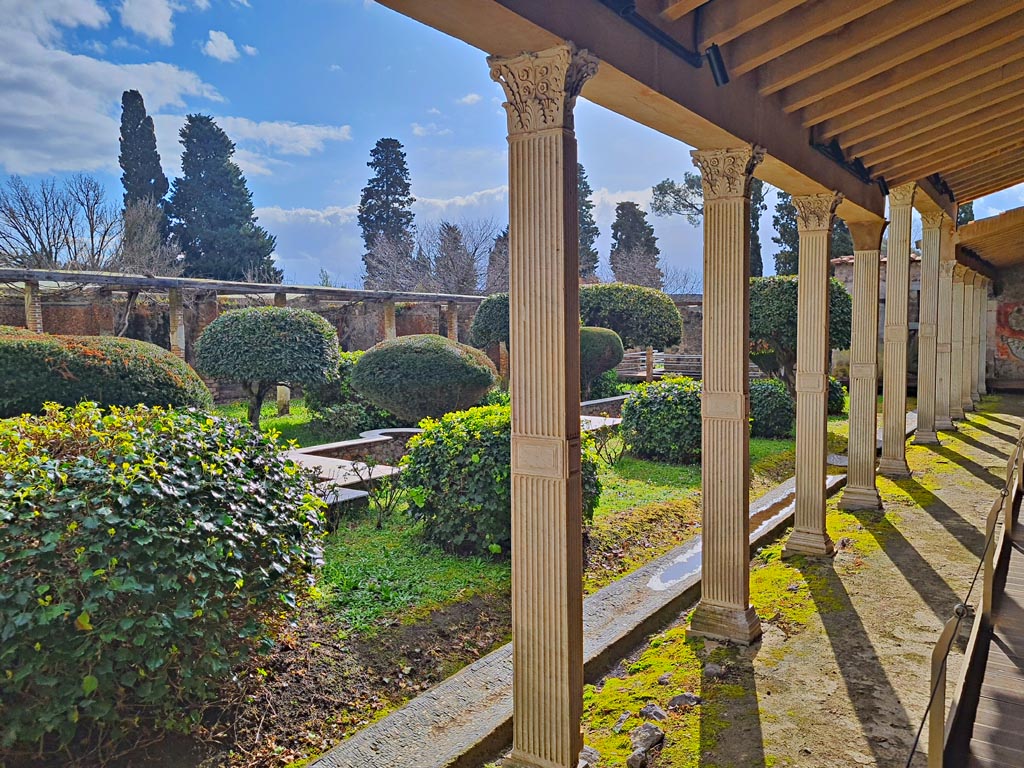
(1006, 329)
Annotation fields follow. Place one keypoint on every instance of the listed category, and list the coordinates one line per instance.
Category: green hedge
(662, 421)
(458, 473)
(39, 368)
(143, 550)
(772, 409)
(415, 377)
(836, 397)
(641, 316)
(339, 411)
(490, 323)
(600, 351)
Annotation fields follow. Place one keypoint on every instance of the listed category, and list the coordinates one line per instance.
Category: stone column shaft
(860, 491)
(452, 321)
(979, 292)
(547, 541)
(724, 610)
(967, 361)
(284, 394)
(390, 327)
(943, 346)
(956, 354)
(814, 222)
(927, 353)
(983, 337)
(897, 299)
(33, 307)
(176, 306)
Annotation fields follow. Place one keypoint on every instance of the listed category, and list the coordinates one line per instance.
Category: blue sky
(305, 88)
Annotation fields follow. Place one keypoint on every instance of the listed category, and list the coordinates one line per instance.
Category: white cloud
(330, 216)
(430, 129)
(283, 137)
(221, 47)
(470, 98)
(433, 111)
(250, 50)
(202, 5)
(45, 20)
(153, 19)
(439, 205)
(335, 68)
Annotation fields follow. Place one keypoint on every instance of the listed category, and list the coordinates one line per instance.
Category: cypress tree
(212, 211)
(589, 231)
(385, 205)
(757, 207)
(142, 176)
(634, 256)
(786, 235)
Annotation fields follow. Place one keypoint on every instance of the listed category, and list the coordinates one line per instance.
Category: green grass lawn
(293, 426)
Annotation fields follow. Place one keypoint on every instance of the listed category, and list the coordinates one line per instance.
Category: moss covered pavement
(840, 677)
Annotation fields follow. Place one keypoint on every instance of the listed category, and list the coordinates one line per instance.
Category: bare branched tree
(94, 225)
(457, 254)
(33, 224)
(637, 266)
(393, 267)
(497, 265)
(142, 248)
(679, 280)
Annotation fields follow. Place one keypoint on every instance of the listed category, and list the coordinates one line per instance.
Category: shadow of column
(740, 740)
(983, 473)
(959, 527)
(975, 443)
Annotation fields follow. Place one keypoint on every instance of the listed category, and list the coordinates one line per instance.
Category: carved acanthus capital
(542, 87)
(902, 195)
(933, 219)
(815, 212)
(946, 269)
(959, 273)
(727, 172)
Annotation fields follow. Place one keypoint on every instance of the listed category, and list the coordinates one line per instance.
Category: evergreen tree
(965, 214)
(634, 256)
(142, 176)
(786, 235)
(842, 240)
(757, 207)
(212, 212)
(385, 205)
(454, 265)
(497, 265)
(588, 227)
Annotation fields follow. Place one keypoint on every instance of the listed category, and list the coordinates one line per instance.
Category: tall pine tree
(212, 212)
(634, 256)
(588, 227)
(385, 206)
(842, 240)
(142, 176)
(786, 235)
(757, 207)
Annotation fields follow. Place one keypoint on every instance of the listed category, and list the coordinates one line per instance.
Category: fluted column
(33, 307)
(967, 361)
(860, 491)
(814, 223)
(979, 291)
(983, 336)
(724, 610)
(176, 307)
(956, 354)
(927, 363)
(390, 328)
(547, 540)
(897, 299)
(943, 335)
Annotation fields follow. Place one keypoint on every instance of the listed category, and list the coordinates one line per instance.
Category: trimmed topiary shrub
(415, 377)
(39, 368)
(772, 409)
(606, 385)
(459, 476)
(261, 347)
(600, 351)
(339, 411)
(490, 323)
(643, 317)
(143, 552)
(836, 397)
(662, 421)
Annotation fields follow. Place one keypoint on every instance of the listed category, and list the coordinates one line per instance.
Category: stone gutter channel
(467, 719)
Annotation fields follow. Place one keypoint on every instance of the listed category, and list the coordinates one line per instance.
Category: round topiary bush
(39, 368)
(600, 351)
(458, 473)
(662, 421)
(643, 317)
(490, 323)
(143, 552)
(836, 397)
(261, 347)
(772, 409)
(415, 377)
(339, 411)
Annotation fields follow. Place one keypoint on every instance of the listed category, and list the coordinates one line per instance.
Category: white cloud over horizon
(153, 19)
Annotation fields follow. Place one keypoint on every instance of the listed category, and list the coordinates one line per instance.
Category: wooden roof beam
(907, 48)
(960, 55)
(971, 260)
(1007, 220)
(965, 158)
(1001, 168)
(967, 149)
(722, 22)
(973, 191)
(858, 37)
(929, 198)
(787, 33)
(676, 9)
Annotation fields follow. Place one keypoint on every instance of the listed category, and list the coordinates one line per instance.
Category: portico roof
(999, 240)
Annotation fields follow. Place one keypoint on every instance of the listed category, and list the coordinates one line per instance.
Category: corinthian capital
(815, 212)
(902, 195)
(542, 87)
(727, 172)
(946, 269)
(932, 219)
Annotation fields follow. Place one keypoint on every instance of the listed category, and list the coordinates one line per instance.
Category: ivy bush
(772, 409)
(600, 351)
(836, 397)
(641, 316)
(606, 385)
(39, 368)
(459, 476)
(143, 553)
(490, 323)
(339, 411)
(662, 421)
(261, 347)
(425, 375)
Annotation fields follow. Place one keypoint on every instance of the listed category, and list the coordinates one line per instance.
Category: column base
(860, 498)
(812, 544)
(957, 414)
(967, 406)
(721, 623)
(946, 425)
(519, 760)
(926, 438)
(893, 467)
(975, 398)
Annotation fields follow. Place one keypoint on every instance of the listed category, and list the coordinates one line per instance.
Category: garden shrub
(836, 397)
(772, 409)
(143, 553)
(606, 385)
(39, 368)
(459, 477)
(261, 347)
(643, 317)
(339, 411)
(662, 421)
(490, 323)
(415, 377)
(600, 351)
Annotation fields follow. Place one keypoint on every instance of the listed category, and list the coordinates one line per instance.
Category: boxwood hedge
(662, 421)
(772, 409)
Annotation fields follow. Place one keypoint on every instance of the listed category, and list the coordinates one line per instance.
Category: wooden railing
(651, 364)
